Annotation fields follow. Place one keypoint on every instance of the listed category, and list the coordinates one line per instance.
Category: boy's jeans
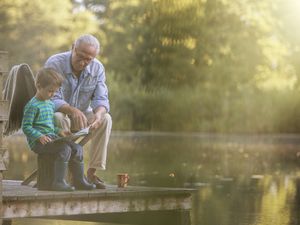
(64, 150)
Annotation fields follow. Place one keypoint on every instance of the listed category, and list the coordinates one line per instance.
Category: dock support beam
(166, 217)
(3, 118)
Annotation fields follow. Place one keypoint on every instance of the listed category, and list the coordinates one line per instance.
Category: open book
(73, 136)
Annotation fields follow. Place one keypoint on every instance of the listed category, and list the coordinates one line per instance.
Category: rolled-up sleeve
(100, 96)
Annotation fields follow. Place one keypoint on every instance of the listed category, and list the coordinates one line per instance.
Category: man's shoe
(97, 181)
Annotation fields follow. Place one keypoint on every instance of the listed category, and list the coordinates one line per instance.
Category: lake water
(241, 179)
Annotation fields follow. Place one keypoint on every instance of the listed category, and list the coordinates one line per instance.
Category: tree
(32, 30)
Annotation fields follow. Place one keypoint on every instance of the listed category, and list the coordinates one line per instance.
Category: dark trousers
(62, 150)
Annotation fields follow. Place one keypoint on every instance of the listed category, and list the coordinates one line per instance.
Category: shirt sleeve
(27, 123)
(100, 96)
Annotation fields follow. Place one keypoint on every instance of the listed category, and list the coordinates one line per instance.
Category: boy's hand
(64, 133)
(45, 139)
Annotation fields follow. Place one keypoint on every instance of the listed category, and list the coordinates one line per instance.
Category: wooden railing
(3, 118)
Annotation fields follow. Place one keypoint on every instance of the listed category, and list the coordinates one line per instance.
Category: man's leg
(62, 121)
(98, 150)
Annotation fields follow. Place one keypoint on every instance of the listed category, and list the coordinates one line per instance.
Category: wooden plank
(4, 158)
(4, 108)
(38, 208)
(31, 177)
(14, 190)
(165, 217)
(3, 62)
(23, 201)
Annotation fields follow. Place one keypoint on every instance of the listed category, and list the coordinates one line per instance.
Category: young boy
(39, 128)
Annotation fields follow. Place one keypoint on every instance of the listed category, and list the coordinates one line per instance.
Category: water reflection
(241, 180)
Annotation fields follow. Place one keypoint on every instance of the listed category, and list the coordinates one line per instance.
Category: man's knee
(62, 120)
(107, 120)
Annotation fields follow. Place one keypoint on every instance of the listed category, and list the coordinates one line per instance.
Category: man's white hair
(88, 39)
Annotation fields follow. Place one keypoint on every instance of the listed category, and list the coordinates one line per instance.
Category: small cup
(123, 179)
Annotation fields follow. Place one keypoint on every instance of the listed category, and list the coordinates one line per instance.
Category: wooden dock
(133, 205)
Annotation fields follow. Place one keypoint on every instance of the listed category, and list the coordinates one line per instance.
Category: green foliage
(33, 30)
(213, 66)
(188, 65)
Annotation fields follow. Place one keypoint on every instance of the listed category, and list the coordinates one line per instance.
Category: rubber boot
(79, 180)
(59, 183)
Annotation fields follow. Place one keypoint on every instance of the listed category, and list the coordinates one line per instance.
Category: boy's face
(45, 93)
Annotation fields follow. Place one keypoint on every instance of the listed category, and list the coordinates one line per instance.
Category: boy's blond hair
(48, 77)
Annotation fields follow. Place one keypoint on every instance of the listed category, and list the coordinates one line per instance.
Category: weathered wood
(1, 133)
(3, 62)
(4, 107)
(4, 158)
(31, 177)
(38, 208)
(24, 201)
(165, 217)
(45, 171)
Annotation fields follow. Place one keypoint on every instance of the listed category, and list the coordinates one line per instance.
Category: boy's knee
(77, 152)
(65, 155)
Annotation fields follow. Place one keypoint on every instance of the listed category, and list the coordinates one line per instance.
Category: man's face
(82, 56)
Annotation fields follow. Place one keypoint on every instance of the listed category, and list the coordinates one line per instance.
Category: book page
(73, 136)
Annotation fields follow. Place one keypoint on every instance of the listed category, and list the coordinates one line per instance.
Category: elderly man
(82, 99)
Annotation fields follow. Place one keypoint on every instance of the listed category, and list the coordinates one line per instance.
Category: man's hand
(78, 120)
(45, 139)
(97, 121)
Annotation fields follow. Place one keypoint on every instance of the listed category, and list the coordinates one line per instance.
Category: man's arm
(100, 96)
(78, 119)
(99, 113)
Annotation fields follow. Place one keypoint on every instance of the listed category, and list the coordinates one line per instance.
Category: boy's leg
(77, 168)
(62, 153)
(76, 151)
(60, 149)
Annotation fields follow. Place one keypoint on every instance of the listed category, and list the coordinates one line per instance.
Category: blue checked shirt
(86, 93)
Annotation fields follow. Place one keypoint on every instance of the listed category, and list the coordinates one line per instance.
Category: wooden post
(3, 118)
